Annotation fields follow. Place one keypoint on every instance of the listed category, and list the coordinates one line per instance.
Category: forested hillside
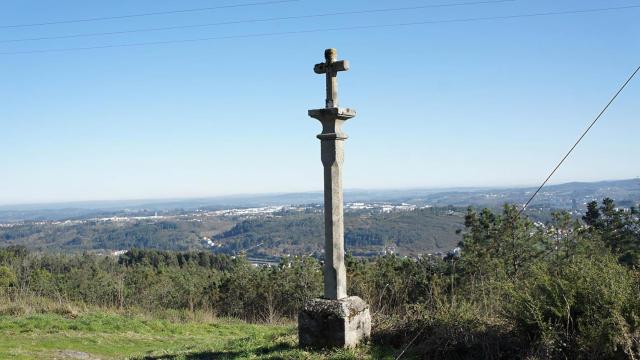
(296, 233)
(103, 235)
(410, 232)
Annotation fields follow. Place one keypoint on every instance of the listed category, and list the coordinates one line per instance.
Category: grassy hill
(103, 335)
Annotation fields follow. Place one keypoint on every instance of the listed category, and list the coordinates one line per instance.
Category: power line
(580, 139)
(234, 22)
(346, 28)
(549, 177)
(272, 2)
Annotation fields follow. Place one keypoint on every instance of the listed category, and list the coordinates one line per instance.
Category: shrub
(7, 278)
(587, 308)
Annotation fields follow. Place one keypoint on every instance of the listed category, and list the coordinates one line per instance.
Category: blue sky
(479, 103)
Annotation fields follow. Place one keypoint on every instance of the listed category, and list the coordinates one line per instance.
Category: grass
(102, 335)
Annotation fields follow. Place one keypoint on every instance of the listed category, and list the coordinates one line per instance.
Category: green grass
(99, 335)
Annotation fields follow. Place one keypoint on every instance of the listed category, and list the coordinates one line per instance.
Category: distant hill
(425, 230)
(411, 232)
(295, 233)
(563, 196)
(103, 235)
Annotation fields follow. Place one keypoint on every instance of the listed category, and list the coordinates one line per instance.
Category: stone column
(332, 154)
(337, 320)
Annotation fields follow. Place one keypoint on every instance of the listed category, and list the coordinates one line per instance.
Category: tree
(505, 243)
(617, 228)
(592, 215)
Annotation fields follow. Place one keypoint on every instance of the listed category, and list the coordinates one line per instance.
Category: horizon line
(280, 193)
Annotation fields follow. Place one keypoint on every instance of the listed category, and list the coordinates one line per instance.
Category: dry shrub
(453, 329)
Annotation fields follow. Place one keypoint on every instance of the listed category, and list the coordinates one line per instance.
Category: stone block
(341, 323)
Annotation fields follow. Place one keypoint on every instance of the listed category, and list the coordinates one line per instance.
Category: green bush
(7, 278)
(587, 308)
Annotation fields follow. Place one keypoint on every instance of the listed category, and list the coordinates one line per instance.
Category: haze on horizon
(461, 104)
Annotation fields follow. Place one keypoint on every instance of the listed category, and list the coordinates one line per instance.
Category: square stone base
(334, 323)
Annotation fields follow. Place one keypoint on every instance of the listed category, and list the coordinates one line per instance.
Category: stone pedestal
(334, 323)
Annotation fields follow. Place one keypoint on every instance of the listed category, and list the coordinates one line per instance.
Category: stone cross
(332, 154)
(337, 320)
(331, 68)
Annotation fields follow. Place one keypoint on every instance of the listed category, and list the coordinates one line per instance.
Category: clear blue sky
(487, 103)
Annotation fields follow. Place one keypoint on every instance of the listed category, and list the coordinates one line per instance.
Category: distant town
(199, 215)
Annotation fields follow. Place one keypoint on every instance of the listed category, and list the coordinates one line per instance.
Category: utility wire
(346, 28)
(410, 343)
(272, 2)
(550, 175)
(234, 22)
(580, 139)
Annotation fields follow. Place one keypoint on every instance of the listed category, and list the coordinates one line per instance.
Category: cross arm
(342, 65)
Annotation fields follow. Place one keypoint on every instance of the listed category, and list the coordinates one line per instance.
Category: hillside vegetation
(366, 233)
(415, 232)
(567, 289)
(100, 235)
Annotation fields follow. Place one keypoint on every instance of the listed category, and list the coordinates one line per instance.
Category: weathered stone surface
(326, 323)
(332, 155)
(336, 320)
(331, 68)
